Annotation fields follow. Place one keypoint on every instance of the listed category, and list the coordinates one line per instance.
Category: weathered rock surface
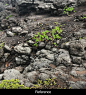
(23, 61)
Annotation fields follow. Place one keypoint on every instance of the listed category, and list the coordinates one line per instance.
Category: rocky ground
(21, 60)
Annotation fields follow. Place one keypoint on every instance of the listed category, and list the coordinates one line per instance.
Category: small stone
(41, 44)
(9, 33)
(7, 47)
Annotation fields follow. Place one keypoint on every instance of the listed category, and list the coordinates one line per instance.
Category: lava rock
(24, 50)
(10, 34)
(63, 58)
(43, 76)
(12, 73)
(32, 76)
(16, 29)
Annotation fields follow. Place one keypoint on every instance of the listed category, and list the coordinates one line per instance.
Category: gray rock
(19, 61)
(46, 52)
(73, 73)
(41, 44)
(19, 68)
(47, 46)
(27, 83)
(32, 76)
(78, 85)
(2, 7)
(84, 64)
(7, 47)
(38, 64)
(73, 85)
(30, 42)
(46, 5)
(24, 50)
(9, 33)
(50, 57)
(24, 32)
(76, 60)
(12, 73)
(25, 45)
(65, 45)
(78, 72)
(63, 58)
(6, 55)
(54, 50)
(43, 76)
(29, 68)
(37, 53)
(16, 29)
(77, 48)
(57, 41)
(84, 56)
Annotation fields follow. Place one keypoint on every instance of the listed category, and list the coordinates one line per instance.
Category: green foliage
(44, 34)
(6, 4)
(8, 16)
(44, 84)
(82, 38)
(15, 84)
(83, 17)
(12, 84)
(50, 83)
(2, 45)
(68, 9)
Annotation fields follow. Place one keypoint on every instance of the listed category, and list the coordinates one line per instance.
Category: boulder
(78, 72)
(21, 60)
(76, 60)
(12, 73)
(77, 47)
(16, 29)
(32, 76)
(63, 58)
(23, 50)
(2, 7)
(43, 76)
(10, 34)
(77, 85)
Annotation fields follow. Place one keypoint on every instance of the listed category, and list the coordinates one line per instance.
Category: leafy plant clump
(68, 9)
(50, 83)
(47, 35)
(12, 84)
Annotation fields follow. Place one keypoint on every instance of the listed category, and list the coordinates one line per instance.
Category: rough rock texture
(19, 59)
(23, 6)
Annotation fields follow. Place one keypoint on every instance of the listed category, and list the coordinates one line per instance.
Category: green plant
(12, 84)
(8, 16)
(43, 35)
(34, 19)
(44, 84)
(68, 9)
(2, 45)
(82, 38)
(83, 17)
(6, 4)
(55, 44)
